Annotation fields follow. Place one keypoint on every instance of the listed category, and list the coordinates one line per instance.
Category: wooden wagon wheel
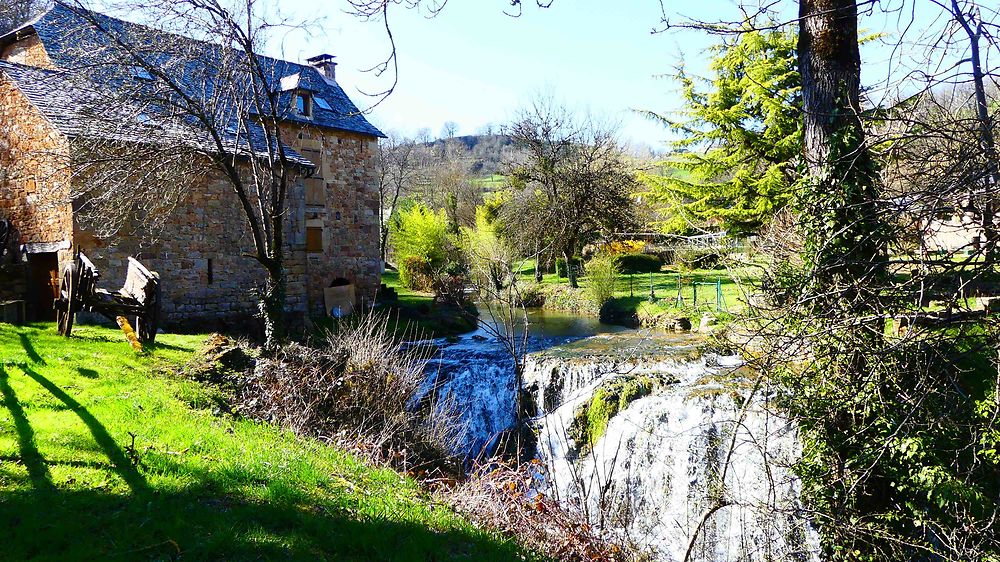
(69, 287)
(148, 322)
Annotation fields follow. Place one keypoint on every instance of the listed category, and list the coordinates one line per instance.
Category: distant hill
(481, 155)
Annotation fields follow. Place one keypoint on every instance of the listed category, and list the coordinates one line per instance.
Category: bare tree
(449, 130)
(396, 166)
(584, 182)
(219, 99)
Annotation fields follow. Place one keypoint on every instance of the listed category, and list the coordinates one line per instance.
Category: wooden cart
(139, 298)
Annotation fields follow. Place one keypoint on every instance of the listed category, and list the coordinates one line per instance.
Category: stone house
(331, 224)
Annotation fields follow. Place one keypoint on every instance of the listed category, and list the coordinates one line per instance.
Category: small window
(211, 272)
(322, 103)
(314, 239)
(303, 104)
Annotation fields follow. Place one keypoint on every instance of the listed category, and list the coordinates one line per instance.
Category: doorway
(43, 285)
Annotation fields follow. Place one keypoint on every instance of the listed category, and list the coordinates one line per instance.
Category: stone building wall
(34, 175)
(29, 52)
(201, 256)
(346, 190)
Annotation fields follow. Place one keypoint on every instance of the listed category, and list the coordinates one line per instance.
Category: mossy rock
(591, 419)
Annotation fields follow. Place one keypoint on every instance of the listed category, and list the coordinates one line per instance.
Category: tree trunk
(538, 265)
(844, 243)
(383, 244)
(986, 205)
(568, 252)
(272, 308)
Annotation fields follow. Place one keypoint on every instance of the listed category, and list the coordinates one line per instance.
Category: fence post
(694, 286)
(718, 294)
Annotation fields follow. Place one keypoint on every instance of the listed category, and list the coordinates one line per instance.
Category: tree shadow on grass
(33, 461)
(207, 517)
(123, 466)
(30, 350)
(199, 524)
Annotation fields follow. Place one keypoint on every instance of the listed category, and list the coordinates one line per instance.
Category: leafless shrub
(358, 390)
(504, 497)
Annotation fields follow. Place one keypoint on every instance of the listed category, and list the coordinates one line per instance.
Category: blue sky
(475, 66)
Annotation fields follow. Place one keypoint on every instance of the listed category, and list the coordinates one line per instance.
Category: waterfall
(696, 448)
(688, 457)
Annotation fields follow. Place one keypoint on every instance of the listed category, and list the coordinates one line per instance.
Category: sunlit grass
(106, 454)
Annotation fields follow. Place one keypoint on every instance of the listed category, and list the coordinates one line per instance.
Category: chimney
(325, 65)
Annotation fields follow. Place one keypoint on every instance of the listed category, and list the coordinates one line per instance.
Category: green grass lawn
(632, 291)
(105, 454)
(407, 297)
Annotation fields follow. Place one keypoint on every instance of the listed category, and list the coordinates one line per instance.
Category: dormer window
(303, 104)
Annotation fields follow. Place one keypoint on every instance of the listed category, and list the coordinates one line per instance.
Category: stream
(691, 447)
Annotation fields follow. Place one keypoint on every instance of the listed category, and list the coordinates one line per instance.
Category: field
(632, 292)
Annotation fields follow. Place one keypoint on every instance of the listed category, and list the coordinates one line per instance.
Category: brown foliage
(358, 390)
(504, 497)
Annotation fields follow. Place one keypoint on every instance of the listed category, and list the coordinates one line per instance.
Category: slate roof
(80, 108)
(71, 40)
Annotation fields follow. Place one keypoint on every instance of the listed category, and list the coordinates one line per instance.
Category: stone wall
(346, 210)
(201, 256)
(29, 52)
(34, 175)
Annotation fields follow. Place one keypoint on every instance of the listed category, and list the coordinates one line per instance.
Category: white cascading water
(685, 458)
(685, 472)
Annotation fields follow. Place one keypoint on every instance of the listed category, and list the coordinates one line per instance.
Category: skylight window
(322, 104)
(141, 73)
(146, 120)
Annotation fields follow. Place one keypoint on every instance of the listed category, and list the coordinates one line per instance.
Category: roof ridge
(31, 68)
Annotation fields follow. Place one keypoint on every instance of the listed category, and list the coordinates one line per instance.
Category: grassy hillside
(107, 455)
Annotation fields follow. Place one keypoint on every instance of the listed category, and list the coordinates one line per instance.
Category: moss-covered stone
(591, 419)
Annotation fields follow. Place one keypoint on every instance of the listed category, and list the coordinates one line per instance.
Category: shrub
(640, 263)
(503, 496)
(697, 259)
(419, 231)
(623, 247)
(602, 274)
(532, 296)
(561, 265)
(358, 389)
(416, 272)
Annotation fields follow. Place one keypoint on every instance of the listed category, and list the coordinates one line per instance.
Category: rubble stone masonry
(203, 257)
(29, 52)
(201, 253)
(342, 199)
(34, 173)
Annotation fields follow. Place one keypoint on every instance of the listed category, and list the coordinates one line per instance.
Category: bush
(502, 496)
(640, 263)
(602, 274)
(358, 389)
(416, 272)
(532, 296)
(419, 231)
(561, 265)
(697, 259)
